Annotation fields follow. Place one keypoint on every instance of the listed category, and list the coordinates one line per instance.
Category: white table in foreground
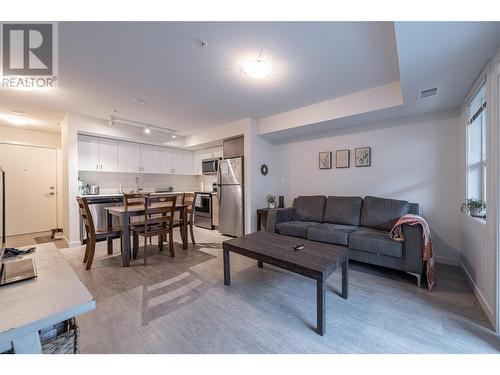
(28, 306)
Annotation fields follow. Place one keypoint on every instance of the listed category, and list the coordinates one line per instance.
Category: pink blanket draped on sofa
(427, 255)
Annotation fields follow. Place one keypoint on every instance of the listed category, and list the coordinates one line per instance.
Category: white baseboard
(74, 243)
(447, 260)
(480, 296)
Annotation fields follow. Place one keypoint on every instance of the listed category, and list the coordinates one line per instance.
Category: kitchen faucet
(138, 184)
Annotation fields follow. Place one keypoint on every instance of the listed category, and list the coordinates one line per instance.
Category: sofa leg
(419, 278)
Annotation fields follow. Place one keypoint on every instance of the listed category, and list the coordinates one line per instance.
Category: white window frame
(480, 82)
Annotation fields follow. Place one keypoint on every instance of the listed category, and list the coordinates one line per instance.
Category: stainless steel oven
(209, 166)
(203, 210)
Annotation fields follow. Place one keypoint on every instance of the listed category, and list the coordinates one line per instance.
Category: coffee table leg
(320, 308)
(260, 263)
(227, 270)
(345, 279)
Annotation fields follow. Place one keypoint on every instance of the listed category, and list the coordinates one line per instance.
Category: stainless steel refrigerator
(230, 196)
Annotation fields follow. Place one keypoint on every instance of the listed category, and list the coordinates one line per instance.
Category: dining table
(125, 213)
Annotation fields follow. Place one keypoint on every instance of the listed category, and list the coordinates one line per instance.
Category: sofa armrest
(278, 215)
(413, 248)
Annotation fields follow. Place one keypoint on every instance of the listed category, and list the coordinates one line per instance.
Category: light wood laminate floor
(180, 305)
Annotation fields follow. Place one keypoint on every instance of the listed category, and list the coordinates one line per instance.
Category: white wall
(479, 258)
(29, 137)
(414, 159)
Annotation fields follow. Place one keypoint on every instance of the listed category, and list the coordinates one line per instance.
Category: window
(476, 146)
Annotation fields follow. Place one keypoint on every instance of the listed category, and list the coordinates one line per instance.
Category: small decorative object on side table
(271, 201)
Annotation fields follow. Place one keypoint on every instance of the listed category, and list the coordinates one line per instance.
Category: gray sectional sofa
(363, 225)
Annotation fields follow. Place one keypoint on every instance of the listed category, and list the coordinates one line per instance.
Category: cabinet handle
(101, 167)
(97, 167)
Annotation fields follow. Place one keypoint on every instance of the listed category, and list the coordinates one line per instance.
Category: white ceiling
(104, 66)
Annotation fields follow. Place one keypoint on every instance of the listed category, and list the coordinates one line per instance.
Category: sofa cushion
(381, 213)
(343, 210)
(309, 208)
(294, 228)
(330, 233)
(375, 241)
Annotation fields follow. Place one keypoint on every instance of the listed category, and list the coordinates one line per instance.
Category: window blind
(477, 104)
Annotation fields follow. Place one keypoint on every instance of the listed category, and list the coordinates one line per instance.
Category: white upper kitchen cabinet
(150, 159)
(165, 160)
(88, 153)
(197, 163)
(129, 157)
(108, 155)
(177, 161)
(187, 162)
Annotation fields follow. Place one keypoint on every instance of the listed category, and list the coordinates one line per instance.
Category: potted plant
(271, 200)
(474, 207)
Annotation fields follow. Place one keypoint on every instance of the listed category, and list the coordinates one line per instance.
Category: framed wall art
(363, 156)
(325, 160)
(342, 159)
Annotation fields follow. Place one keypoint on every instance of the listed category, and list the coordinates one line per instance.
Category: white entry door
(31, 195)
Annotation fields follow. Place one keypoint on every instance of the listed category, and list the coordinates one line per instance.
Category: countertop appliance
(94, 189)
(209, 166)
(203, 210)
(230, 196)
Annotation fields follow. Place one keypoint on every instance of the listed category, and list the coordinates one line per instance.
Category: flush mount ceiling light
(140, 101)
(16, 120)
(257, 69)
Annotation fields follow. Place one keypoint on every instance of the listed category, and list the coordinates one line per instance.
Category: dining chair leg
(160, 242)
(145, 248)
(91, 254)
(192, 233)
(87, 250)
(135, 245)
(171, 242)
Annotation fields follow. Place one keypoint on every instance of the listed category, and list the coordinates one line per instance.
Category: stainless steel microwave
(210, 166)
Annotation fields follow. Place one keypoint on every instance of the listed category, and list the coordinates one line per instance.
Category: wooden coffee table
(316, 260)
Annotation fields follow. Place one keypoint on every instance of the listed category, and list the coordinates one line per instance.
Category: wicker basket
(61, 338)
(66, 341)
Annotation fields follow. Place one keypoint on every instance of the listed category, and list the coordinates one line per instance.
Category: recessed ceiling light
(140, 101)
(173, 135)
(16, 120)
(147, 131)
(257, 69)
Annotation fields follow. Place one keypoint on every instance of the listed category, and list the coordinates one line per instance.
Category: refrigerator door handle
(219, 189)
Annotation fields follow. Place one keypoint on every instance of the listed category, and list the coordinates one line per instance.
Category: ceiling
(103, 66)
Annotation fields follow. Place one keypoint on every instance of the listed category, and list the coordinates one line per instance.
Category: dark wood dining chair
(188, 200)
(93, 234)
(158, 221)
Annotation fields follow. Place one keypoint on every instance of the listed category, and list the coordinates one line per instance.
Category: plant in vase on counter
(271, 200)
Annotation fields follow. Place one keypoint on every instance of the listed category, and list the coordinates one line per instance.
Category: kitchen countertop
(152, 193)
